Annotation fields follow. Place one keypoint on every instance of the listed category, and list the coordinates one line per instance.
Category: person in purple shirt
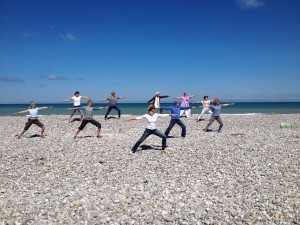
(175, 118)
(185, 103)
(216, 115)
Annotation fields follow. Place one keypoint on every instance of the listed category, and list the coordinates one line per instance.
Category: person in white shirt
(206, 108)
(33, 118)
(151, 118)
(76, 98)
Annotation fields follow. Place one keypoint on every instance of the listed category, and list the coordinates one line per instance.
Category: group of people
(177, 110)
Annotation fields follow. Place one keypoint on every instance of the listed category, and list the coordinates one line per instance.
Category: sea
(241, 108)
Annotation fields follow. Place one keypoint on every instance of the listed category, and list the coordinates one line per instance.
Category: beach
(248, 174)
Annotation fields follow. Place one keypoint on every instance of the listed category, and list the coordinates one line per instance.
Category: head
(205, 97)
(89, 102)
(32, 105)
(76, 93)
(157, 93)
(151, 109)
(185, 94)
(176, 103)
(216, 101)
(113, 93)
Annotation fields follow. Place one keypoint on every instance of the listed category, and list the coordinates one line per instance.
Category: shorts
(31, 121)
(85, 122)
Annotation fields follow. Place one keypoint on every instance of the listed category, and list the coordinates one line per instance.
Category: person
(216, 112)
(76, 104)
(185, 103)
(175, 118)
(33, 118)
(151, 118)
(205, 109)
(88, 117)
(113, 100)
(156, 100)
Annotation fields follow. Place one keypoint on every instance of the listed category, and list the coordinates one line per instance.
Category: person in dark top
(156, 100)
(113, 100)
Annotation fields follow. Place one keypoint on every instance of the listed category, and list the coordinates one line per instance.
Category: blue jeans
(171, 125)
(113, 107)
(146, 134)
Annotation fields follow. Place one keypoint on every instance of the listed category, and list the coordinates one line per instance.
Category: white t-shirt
(33, 113)
(206, 104)
(151, 120)
(76, 100)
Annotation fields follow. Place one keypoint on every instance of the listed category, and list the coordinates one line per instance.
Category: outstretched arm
(68, 99)
(75, 108)
(230, 104)
(164, 96)
(45, 107)
(193, 96)
(121, 97)
(197, 102)
(152, 99)
(103, 100)
(24, 111)
(177, 97)
(99, 108)
(85, 97)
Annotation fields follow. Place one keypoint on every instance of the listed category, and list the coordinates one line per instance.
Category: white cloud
(11, 79)
(55, 77)
(247, 4)
(68, 37)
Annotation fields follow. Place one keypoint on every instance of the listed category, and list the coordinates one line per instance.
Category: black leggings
(85, 122)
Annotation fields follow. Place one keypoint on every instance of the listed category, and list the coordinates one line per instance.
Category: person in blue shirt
(216, 112)
(175, 119)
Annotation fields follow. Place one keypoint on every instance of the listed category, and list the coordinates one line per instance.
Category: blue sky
(236, 50)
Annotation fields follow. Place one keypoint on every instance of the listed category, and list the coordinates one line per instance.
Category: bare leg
(42, 131)
(81, 117)
(23, 131)
(77, 132)
(98, 132)
(70, 118)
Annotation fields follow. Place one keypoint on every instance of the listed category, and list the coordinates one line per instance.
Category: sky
(235, 50)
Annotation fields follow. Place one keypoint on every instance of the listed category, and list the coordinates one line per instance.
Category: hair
(151, 107)
(76, 92)
(31, 103)
(205, 96)
(113, 92)
(216, 100)
(89, 100)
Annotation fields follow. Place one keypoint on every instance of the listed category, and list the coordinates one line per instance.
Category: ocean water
(141, 108)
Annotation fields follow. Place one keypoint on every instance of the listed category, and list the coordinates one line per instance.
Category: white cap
(157, 93)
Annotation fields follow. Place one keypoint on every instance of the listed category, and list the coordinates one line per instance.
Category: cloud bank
(68, 37)
(11, 79)
(248, 4)
(55, 77)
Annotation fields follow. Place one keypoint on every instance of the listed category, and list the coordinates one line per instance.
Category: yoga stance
(113, 100)
(206, 108)
(175, 118)
(185, 103)
(216, 115)
(33, 118)
(156, 100)
(151, 118)
(76, 104)
(88, 118)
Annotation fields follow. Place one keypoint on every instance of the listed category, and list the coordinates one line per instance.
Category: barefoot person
(88, 118)
(33, 118)
(216, 115)
(205, 109)
(175, 119)
(151, 118)
(113, 100)
(76, 104)
(156, 100)
(185, 103)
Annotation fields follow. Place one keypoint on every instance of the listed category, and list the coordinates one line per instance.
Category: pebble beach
(248, 174)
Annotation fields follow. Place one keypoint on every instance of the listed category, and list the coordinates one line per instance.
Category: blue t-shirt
(175, 110)
(216, 109)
